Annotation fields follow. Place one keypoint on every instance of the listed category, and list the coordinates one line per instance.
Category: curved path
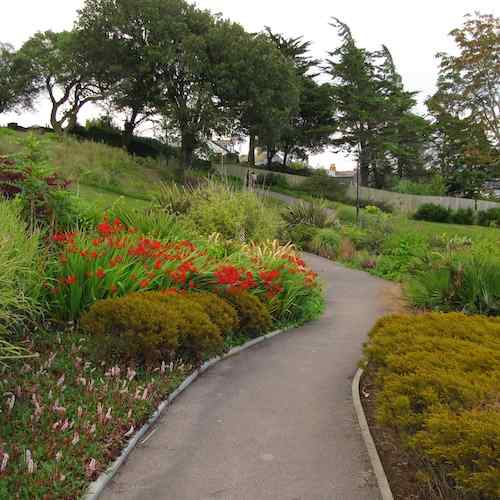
(275, 422)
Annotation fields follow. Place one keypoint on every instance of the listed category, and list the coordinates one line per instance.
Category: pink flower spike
(5, 460)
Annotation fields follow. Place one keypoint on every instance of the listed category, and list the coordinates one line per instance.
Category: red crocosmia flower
(144, 283)
(249, 282)
(63, 259)
(158, 264)
(70, 280)
(105, 229)
(97, 241)
(94, 255)
(192, 284)
(83, 253)
(227, 275)
(100, 273)
(269, 276)
(113, 288)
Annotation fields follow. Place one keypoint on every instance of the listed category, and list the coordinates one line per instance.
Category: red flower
(105, 229)
(70, 280)
(249, 282)
(113, 288)
(269, 276)
(100, 273)
(227, 275)
(144, 283)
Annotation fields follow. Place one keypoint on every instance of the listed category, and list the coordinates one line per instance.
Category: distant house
(493, 186)
(347, 176)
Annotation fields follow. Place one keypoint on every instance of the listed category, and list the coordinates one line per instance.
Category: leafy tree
(121, 43)
(311, 125)
(465, 107)
(373, 111)
(255, 83)
(469, 82)
(60, 64)
(17, 85)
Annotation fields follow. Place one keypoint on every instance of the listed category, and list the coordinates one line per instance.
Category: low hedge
(438, 386)
(430, 212)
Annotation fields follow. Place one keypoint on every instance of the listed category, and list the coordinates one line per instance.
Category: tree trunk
(128, 129)
(188, 144)
(54, 122)
(364, 163)
(251, 150)
(285, 157)
(270, 156)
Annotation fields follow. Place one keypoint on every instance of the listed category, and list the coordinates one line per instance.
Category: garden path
(275, 422)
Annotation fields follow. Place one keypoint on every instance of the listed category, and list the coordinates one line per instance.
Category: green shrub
(315, 213)
(324, 186)
(464, 283)
(489, 217)
(175, 199)
(254, 317)
(438, 380)
(436, 186)
(21, 270)
(300, 235)
(357, 235)
(235, 215)
(149, 327)
(326, 243)
(464, 216)
(431, 212)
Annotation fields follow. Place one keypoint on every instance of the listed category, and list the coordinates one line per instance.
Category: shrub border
(96, 488)
(378, 468)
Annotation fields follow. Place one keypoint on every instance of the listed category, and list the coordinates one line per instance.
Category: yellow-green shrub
(140, 328)
(438, 385)
(220, 312)
(255, 318)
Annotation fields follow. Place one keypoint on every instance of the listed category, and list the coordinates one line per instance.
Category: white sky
(413, 31)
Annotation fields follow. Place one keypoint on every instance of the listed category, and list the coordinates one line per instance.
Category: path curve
(275, 422)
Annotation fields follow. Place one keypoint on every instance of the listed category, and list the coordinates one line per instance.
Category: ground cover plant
(437, 379)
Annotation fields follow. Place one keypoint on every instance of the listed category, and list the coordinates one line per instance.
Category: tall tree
(62, 67)
(373, 110)
(357, 102)
(469, 82)
(17, 84)
(311, 125)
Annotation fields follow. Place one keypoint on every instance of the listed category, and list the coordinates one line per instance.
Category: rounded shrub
(327, 243)
(199, 336)
(489, 217)
(431, 212)
(255, 318)
(146, 328)
(463, 216)
(220, 311)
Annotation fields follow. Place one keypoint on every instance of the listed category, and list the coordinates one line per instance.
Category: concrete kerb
(378, 469)
(97, 487)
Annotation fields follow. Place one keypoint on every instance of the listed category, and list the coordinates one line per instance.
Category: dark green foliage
(470, 284)
(431, 212)
(255, 319)
(324, 186)
(300, 235)
(489, 217)
(465, 216)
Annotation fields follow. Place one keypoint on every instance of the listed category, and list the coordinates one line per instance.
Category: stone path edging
(97, 487)
(378, 469)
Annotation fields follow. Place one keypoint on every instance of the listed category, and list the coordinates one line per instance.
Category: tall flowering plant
(116, 260)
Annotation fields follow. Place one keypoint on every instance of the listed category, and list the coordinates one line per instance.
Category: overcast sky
(413, 31)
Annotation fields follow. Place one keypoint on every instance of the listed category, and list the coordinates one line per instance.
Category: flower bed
(437, 382)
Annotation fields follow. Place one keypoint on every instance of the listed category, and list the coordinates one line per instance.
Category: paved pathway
(275, 422)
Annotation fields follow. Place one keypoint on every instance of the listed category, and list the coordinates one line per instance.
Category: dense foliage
(437, 379)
